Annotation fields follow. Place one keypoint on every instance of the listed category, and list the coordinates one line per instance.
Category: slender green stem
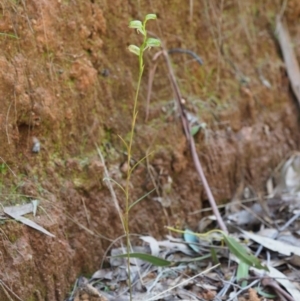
(129, 151)
(147, 43)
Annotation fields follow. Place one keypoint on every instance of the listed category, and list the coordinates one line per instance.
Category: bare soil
(68, 81)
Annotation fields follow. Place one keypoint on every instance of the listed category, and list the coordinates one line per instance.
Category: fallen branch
(187, 132)
(291, 63)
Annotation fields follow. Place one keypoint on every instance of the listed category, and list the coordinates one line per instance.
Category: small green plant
(3, 172)
(139, 51)
(235, 247)
(8, 35)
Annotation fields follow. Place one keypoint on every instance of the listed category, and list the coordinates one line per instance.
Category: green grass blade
(214, 256)
(8, 35)
(242, 273)
(264, 294)
(114, 181)
(242, 254)
(148, 258)
(140, 199)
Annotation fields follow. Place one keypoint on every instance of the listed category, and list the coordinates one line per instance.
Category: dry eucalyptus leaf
(274, 245)
(103, 274)
(267, 232)
(19, 210)
(175, 244)
(152, 243)
(13, 212)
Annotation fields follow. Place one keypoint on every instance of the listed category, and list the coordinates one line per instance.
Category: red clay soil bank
(67, 81)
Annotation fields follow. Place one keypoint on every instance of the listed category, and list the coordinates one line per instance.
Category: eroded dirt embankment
(68, 81)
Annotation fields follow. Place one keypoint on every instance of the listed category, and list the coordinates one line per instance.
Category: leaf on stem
(140, 199)
(150, 17)
(134, 49)
(151, 42)
(147, 257)
(136, 24)
(114, 181)
(242, 253)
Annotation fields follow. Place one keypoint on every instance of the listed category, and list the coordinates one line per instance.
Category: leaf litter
(17, 212)
(259, 261)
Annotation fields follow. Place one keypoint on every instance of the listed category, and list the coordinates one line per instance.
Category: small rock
(36, 148)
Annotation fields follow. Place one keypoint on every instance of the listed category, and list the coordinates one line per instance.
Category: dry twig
(187, 132)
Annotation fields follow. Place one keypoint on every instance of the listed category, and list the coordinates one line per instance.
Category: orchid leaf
(157, 261)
